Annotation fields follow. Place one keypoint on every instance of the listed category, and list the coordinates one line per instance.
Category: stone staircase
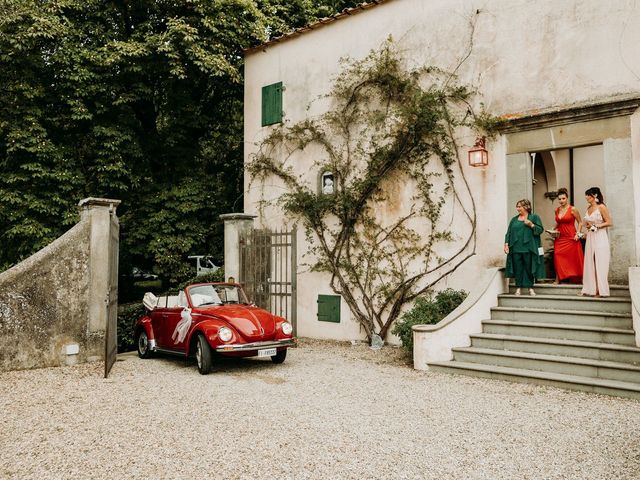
(556, 338)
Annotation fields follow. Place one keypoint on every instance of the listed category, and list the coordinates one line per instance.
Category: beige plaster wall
(524, 55)
(521, 55)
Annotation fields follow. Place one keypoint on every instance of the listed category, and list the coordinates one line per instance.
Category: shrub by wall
(427, 310)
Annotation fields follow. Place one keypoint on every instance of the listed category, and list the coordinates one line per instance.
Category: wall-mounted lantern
(478, 155)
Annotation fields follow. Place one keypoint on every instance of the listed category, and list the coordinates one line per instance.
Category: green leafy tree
(285, 15)
(140, 101)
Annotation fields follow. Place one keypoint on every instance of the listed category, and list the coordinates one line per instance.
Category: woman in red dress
(568, 257)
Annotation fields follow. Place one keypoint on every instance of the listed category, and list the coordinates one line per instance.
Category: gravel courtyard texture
(331, 411)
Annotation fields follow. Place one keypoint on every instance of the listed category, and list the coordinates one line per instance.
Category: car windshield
(216, 295)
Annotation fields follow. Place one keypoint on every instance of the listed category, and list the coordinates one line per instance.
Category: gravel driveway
(332, 410)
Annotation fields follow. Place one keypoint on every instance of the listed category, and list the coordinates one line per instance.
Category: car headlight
(286, 328)
(225, 334)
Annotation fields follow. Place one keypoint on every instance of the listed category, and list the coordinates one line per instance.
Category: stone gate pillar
(97, 212)
(235, 226)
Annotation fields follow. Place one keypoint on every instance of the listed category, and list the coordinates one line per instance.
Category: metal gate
(111, 332)
(268, 271)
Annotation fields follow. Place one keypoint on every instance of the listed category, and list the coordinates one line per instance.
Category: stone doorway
(599, 137)
(574, 168)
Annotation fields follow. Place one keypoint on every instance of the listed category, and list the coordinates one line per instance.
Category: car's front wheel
(203, 355)
(279, 356)
(144, 349)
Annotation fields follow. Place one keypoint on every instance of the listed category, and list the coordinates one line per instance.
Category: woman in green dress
(525, 261)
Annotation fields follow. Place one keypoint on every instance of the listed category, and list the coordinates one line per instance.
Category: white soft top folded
(150, 301)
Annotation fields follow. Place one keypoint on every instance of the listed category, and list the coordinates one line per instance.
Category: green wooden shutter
(272, 104)
(329, 308)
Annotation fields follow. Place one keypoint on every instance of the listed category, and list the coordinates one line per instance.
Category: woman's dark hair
(595, 193)
(563, 191)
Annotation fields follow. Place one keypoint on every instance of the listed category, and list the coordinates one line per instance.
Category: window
(204, 295)
(272, 104)
(329, 308)
(182, 299)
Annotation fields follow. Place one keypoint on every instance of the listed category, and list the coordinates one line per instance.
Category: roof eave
(347, 12)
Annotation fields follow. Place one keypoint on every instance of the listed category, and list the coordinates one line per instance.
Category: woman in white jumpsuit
(597, 253)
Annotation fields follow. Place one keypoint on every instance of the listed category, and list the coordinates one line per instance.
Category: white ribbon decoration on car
(183, 326)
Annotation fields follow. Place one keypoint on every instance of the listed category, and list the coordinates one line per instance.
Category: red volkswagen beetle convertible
(210, 319)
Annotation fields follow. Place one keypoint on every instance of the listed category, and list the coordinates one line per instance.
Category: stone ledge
(566, 114)
(98, 202)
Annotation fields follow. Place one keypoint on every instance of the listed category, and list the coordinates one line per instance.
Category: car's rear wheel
(144, 349)
(203, 355)
(280, 356)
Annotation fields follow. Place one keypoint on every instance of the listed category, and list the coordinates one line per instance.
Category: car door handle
(165, 316)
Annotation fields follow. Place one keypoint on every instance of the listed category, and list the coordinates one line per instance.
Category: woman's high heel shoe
(531, 292)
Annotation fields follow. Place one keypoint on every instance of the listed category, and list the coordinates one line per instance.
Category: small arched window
(327, 183)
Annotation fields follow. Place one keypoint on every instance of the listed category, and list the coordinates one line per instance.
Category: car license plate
(267, 352)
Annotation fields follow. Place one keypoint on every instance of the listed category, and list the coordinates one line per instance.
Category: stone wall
(46, 301)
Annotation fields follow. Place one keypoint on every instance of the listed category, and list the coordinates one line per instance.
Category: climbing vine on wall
(389, 138)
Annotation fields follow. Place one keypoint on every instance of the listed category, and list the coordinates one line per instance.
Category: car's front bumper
(247, 347)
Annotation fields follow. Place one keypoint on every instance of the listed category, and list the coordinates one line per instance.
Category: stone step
(579, 333)
(572, 382)
(568, 317)
(582, 367)
(571, 290)
(556, 338)
(564, 302)
(548, 346)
